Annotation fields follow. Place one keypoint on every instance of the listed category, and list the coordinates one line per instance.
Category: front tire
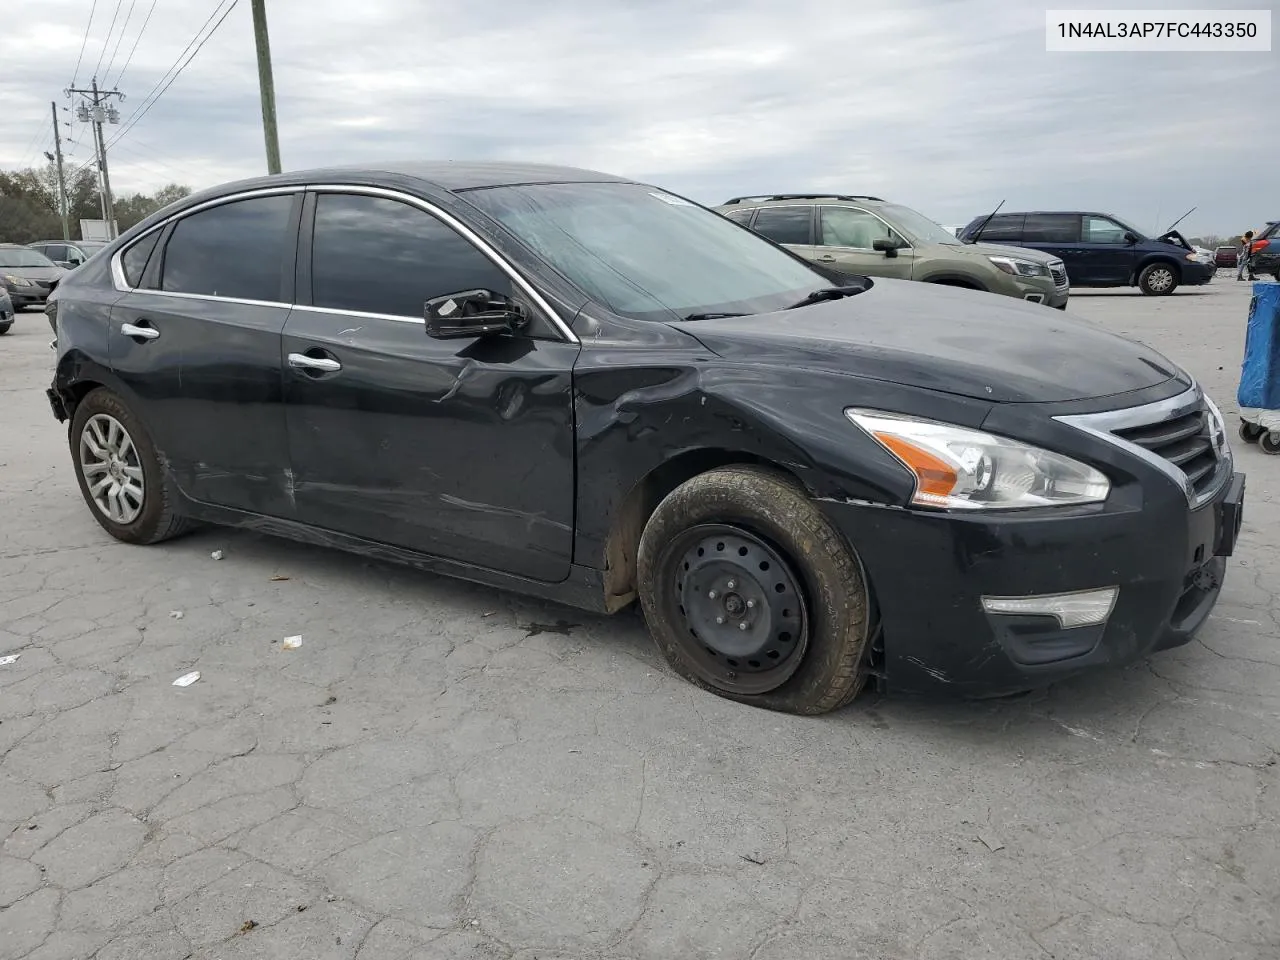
(751, 593)
(1158, 279)
(4, 328)
(120, 476)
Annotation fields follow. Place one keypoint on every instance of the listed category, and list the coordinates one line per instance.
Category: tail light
(1259, 245)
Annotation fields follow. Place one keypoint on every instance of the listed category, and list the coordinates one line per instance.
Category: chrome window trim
(121, 285)
(1102, 424)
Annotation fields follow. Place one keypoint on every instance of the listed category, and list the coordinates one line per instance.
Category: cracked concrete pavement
(447, 771)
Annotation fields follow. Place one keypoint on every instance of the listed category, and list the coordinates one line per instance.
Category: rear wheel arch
(635, 509)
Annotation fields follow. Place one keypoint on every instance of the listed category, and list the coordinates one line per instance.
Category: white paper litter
(187, 679)
(177, 614)
(11, 658)
(292, 643)
(992, 843)
(217, 554)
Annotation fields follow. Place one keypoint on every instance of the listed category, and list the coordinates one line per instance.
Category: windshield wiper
(830, 293)
(712, 316)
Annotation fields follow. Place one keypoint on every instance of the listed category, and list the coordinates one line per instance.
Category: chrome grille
(1058, 271)
(1184, 441)
(1182, 436)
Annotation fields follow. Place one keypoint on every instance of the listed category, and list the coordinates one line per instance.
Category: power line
(120, 36)
(106, 42)
(143, 29)
(76, 72)
(36, 142)
(146, 107)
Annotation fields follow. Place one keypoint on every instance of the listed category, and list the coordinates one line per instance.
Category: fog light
(1035, 297)
(1080, 609)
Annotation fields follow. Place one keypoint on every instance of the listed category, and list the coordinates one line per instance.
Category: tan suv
(869, 237)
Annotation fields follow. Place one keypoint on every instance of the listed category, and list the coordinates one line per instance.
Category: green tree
(29, 203)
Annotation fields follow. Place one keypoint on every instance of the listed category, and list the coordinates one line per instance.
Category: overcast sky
(948, 106)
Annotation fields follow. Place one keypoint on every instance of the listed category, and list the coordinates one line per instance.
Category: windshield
(647, 254)
(916, 225)
(24, 258)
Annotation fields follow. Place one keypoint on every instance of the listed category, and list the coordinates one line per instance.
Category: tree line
(29, 203)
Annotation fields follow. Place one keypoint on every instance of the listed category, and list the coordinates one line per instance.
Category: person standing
(1244, 261)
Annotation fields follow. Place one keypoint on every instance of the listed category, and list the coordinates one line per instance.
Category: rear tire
(1158, 279)
(120, 476)
(801, 647)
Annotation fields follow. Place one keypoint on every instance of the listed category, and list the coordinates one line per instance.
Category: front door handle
(826, 258)
(144, 333)
(300, 361)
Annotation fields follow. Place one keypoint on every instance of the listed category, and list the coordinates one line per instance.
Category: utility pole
(266, 85)
(62, 180)
(100, 110)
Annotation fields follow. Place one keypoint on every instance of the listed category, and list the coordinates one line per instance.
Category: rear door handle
(144, 333)
(300, 361)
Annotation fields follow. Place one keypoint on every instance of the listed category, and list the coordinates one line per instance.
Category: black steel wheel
(742, 606)
(1250, 432)
(751, 593)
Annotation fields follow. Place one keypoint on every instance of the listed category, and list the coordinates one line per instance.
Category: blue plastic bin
(1259, 392)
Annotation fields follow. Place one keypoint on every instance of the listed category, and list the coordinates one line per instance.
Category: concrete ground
(446, 771)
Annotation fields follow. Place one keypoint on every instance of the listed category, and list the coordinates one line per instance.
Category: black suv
(593, 390)
(1099, 249)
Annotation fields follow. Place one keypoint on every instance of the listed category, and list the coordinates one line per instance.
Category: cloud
(948, 106)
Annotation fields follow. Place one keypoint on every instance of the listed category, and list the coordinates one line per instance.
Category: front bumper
(1194, 274)
(930, 572)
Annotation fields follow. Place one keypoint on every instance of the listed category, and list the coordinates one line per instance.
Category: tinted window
(135, 258)
(646, 254)
(1004, 227)
(235, 250)
(1269, 232)
(740, 216)
(1102, 230)
(1051, 228)
(784, 224)
(54, 251)
(846, 227)
(382, 256)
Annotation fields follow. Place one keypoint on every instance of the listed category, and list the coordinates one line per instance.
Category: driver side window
(857, 229)
(1102, 230)
(377, 255)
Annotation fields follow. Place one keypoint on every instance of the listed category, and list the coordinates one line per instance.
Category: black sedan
(594, 390)
(28, 275)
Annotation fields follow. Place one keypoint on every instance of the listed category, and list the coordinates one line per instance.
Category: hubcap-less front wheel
(742, 607)
(111, 468)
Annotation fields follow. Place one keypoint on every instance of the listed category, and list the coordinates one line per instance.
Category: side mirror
(886, 246)
(1130, 237)
(472, 313)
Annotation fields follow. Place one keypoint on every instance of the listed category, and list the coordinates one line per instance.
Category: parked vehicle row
(593, 390)
(68, 254)
(28, 275)
(1099, 250)
(867, 236)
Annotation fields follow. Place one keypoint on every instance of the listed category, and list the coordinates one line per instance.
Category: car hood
(35, 273)
(996, 250)
(943, 338)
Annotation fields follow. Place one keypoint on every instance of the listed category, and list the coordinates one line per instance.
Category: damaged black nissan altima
(595, 391)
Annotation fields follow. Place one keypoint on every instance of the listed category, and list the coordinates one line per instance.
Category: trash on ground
(248, 925)
(292, 643)
(752, 858)
(11, 658)
(992, 843)
(217, 554)
(489, 614)
(187, 679)
(277, 578)
(177, 614)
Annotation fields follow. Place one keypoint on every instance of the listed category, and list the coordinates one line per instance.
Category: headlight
(1019, 267)
(18, 281)
(961, 469)
(1193, 256)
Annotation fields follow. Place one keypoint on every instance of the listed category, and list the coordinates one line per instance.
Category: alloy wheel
(111, 469)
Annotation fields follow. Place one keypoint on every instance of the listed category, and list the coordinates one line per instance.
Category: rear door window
(740, 216)
(1051, 228)
(785, 224)
(234, 250)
